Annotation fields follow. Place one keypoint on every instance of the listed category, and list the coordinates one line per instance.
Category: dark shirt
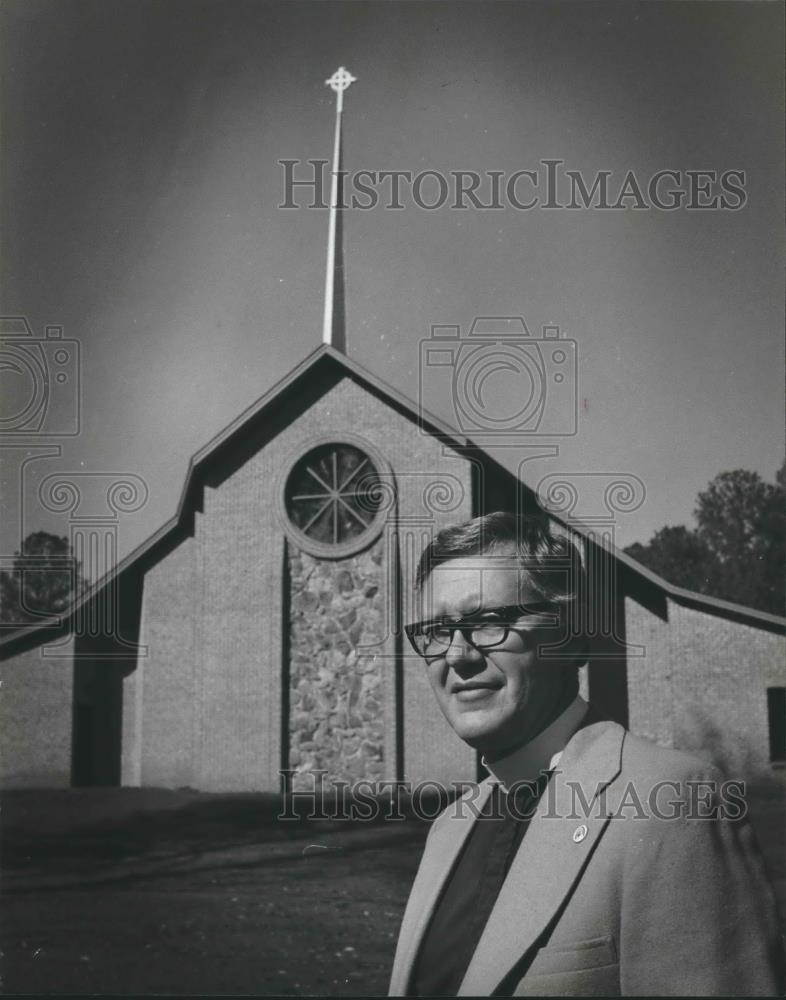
(471, 891)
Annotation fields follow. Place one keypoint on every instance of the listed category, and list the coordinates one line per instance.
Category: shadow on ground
(140, 891)
(144, 891)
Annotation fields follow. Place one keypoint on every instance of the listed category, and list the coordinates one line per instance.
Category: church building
(261, 629)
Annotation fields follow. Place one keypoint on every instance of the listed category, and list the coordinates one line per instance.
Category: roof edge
(679, 594)
(433, 425)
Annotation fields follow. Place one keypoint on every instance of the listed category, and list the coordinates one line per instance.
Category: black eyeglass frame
(509, 619)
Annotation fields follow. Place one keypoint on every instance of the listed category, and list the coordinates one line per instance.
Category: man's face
(498, 698)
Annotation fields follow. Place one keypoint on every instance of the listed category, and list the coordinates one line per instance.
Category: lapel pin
(579, 834)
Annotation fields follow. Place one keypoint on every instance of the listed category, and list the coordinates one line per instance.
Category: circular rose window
(333, 497)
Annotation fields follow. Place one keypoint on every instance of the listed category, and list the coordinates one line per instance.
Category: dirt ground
(134, 891)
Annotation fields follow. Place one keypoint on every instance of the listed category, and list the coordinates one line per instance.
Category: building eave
(449, 435)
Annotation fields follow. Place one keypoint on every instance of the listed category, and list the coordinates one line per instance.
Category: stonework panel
(337, 690)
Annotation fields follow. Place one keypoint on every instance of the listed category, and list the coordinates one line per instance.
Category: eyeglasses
(432, 639)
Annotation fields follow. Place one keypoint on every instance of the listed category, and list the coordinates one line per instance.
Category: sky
(142, 183)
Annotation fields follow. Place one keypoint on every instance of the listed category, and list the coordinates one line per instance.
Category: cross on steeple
(338, 82)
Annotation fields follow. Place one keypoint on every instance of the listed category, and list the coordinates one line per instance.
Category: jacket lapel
(445, 841)
(549, 860)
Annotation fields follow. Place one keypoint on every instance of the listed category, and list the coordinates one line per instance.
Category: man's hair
(549, 563)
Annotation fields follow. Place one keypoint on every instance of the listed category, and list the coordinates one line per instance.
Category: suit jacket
(607, 895)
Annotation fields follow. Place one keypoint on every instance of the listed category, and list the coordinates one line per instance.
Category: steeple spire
(333, 324)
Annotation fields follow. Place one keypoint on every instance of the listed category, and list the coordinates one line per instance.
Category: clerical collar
(541, 753)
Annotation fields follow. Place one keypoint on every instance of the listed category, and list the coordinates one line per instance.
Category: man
(589, 862)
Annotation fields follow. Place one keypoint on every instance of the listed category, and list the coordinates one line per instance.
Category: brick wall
(702, 684)
(35, 718)
(650, 711)
(159, 696)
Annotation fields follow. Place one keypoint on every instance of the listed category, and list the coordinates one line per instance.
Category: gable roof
(325, 355)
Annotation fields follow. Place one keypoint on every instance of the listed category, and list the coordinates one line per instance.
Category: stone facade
(337, 689)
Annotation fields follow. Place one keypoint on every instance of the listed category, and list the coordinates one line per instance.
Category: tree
(44, 580)
(741, 518)
(736, 551)
(680, 556)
